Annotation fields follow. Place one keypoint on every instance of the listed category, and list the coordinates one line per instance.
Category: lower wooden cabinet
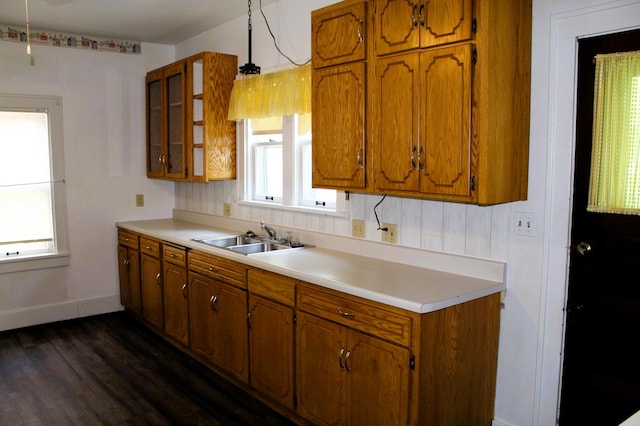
(176, 298)
(151, 282)
(218, 320)
(129, 271)
(271, 331)
(317, 355)
(346, 377)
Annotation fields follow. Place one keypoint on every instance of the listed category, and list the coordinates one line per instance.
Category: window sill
(297, 209)
(30, 263)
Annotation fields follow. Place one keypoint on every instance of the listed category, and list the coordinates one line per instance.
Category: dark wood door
(601, 371)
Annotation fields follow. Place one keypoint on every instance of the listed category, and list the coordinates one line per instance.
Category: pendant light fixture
(249, 67)
(26, 6)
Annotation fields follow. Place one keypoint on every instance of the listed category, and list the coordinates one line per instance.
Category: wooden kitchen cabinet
(151, 282)
(340, 49)
(444, 112)
(129, 271)
(218, 312)
(338, 34)
(409, 24)
(189, 137)
(344, 375)
(423, 141)
(271, 333)
(176, 293)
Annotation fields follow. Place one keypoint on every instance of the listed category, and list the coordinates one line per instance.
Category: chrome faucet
(268, 229)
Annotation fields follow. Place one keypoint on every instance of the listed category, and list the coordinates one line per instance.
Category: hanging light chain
(249, 13)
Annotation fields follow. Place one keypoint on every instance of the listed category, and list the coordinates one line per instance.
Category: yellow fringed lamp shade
(276, 94)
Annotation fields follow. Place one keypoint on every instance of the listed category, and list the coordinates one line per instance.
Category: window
(33, 213)
(615, 163)
(275, 111)
(279, 164)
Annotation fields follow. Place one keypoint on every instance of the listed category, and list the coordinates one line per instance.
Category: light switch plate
(524, 223)
(357, 228)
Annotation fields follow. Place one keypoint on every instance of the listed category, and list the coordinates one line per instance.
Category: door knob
(583, 248)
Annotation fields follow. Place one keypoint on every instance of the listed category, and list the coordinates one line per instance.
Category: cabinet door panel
(396, 141)
(129, 272)
(445, 120)
(271, 348)
(151, 283)
(201, 290)
(445, 21)
(176, 303)
(397, 26)
(338, 36)
(339, 127)
(230, 334)
(321, 378)
(379, 382)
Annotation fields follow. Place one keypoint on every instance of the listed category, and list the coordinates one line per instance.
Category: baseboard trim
(497, 422)
(35, 315)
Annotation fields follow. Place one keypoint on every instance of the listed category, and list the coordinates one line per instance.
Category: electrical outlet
(227, 209)
(357, 228)
(391, 234)
(524, 224)
(139, 200)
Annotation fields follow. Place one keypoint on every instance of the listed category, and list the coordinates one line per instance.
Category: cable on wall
(385, 229)
(275, 43)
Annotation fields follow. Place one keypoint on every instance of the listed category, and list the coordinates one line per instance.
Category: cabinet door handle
(346, 362)
(184, 290)
(413, 15)
(346, 314)
(158, 278)
(340, 359)
(360, 38)
(422, 21)
(420, 163)
(249, 319)
(359, 158)
(413, 157)
(212, 303)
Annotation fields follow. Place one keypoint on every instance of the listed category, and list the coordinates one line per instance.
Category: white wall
(103, 103)
(532, 321)
(103, 125)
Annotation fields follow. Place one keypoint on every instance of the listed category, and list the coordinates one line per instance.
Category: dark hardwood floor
(110, 370)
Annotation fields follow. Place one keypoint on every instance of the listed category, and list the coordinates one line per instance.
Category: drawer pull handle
(147, 247)
(172, 255)
(346, 314)
(214, 270)
(340, 359)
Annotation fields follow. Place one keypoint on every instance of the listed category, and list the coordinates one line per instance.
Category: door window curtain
(275, 94)
(614, 185)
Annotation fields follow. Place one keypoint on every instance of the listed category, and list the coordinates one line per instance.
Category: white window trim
(243, 189)
(61, 255)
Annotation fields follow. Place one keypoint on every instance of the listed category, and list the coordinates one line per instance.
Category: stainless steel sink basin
(246, 244)
(258, 248)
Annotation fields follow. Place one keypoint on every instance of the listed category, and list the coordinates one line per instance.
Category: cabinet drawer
(356, 313)
(150, 247)
(174, 254)
(227, 271)
(128, 238)
(272, 286)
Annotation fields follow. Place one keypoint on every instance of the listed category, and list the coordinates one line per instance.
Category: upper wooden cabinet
(408, 24)
(188, 135)
(338, 35)
(446, 103)
(340, 49)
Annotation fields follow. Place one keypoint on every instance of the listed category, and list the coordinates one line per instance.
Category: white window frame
(292, 176)
(59, 254)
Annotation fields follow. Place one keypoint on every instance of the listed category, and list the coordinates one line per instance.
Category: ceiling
(156, 21)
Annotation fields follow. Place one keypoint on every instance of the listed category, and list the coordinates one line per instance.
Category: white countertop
(404, 286)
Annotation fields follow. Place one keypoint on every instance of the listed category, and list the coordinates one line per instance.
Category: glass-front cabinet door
(155, 148)
(175, 159)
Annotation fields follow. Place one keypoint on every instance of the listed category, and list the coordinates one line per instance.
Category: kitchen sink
(247, 244)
